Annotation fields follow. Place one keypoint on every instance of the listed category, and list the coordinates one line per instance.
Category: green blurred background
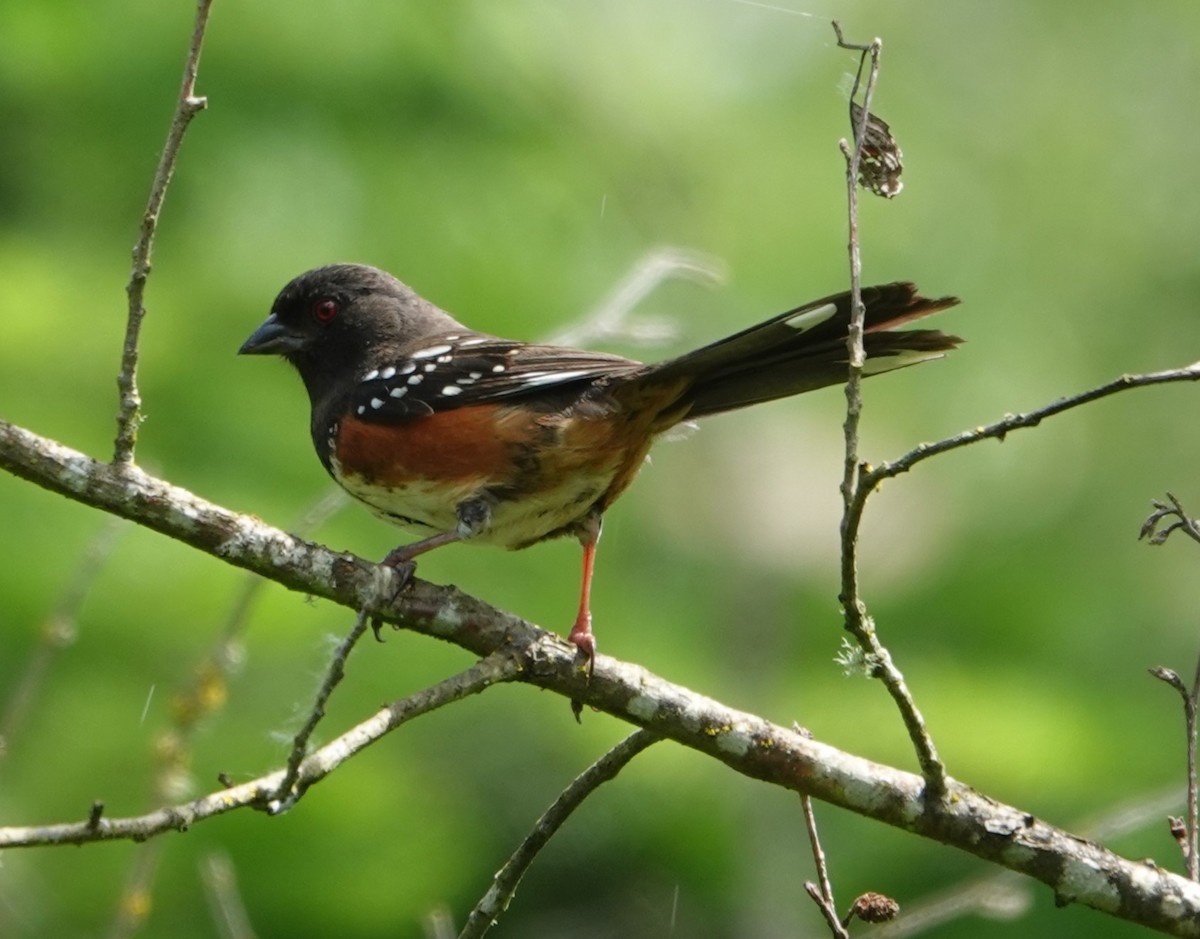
(512, 161)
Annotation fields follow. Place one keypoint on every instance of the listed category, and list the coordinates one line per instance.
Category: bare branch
(289, 792)
(1002, 428)
(1162, 510)
(836, 929)
(857, 622)
(1186, 834)
(876, 657)
(261, 792)
(844, 44)
(204, 694)
(188, 106)
(1077, 870)
(504, 883)
(1004, 895)
(822, 891)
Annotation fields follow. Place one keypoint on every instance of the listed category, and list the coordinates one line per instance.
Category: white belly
(427, 509)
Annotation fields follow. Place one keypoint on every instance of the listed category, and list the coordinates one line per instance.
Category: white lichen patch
(450, 618)
(1084, 880)
(643, 707)
(735, 741)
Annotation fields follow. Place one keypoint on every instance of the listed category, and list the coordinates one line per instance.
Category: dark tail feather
(802, 350)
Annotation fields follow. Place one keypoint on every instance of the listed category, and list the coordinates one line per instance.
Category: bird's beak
(272, 338)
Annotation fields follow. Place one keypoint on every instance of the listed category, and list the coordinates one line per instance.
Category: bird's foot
(399, 568)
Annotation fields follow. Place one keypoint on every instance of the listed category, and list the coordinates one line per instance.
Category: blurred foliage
(511, 161)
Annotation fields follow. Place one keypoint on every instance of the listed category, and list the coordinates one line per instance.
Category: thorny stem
(129, 415)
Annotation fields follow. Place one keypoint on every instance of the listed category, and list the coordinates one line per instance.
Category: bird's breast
(541, 474)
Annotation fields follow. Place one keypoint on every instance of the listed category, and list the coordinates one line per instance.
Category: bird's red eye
(325, 310)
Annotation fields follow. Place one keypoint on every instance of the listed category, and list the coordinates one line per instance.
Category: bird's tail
(801, 350)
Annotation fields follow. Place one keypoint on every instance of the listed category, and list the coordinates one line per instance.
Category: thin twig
(261, 792)
(1001, 428)
(854, 338)
(879, 662)
(57, 631)
(876, 656)
(1172, 509)
(288, 792)
(852, 46)
(188, 106)
(504, 883)
(206, 693)
(822, 891)
(1186, 835)
(1193, 785)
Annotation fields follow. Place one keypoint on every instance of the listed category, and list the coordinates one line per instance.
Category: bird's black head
(332, 321)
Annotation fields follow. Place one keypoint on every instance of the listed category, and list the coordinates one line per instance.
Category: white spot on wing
(371, 375)
(430, 351)
(408, 368)
(550, 378)
(497, 369)
(472, 342)
(415, 379)
(451, 390)
(361, 409)
(444, 358)
(398, 392)
(388, 372)
(377, 403)
(807, 319)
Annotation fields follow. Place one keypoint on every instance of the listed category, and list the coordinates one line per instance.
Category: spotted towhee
(462, 436)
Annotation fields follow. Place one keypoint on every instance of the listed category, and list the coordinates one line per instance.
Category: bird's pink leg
(581, 633)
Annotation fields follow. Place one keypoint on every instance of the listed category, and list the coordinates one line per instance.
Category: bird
(462, 436)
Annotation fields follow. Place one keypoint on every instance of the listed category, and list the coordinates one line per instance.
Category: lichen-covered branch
(1075, 869)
